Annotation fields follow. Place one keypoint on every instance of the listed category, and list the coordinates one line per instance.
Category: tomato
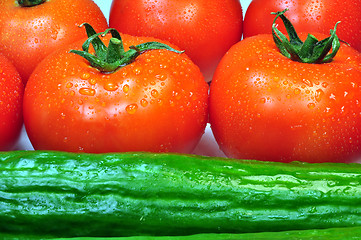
(157, 102)
(308, 16)
(265, 106)
(204, 29)
(28, 34)
(11, 97)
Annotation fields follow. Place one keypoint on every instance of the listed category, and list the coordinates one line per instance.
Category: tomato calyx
(311, 50)
(111, 58)
(30, 3)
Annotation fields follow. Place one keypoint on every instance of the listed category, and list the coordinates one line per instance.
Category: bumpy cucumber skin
(69, 195)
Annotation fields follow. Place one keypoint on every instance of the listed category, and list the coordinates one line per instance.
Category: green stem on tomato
(109, 59)
(30, 3)
(309, 51)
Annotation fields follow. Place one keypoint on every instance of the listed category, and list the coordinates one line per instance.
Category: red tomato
(11, 97)
(204, 29)
(28, 34)
(265, 106)
(157, 103)
(308, 16)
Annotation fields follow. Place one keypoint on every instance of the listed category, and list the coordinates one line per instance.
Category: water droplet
(69, 85)
(92, 81)
(131, 108)
(161, 77)
(331, 183)
(137, 70)
(143, 102)
(85, 76)
(297, 91)
(126, 88)
(111, 86)
(87, 91)
(307, 82)
(154, 93)
(312, 210)
(319, 95)
(311, 105)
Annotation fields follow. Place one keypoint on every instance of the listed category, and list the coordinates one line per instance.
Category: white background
(105, 5)
(207, 145)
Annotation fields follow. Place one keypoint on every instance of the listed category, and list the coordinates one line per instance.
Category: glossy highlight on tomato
(265, 106)
(11, 97)
(204, 29)
(156, 103)
(28, 34)
(307, 16)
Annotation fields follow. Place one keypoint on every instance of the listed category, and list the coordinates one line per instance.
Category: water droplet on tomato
(111, 86)
(297, 91)
(137, 70)
(85, 76)
(176, 95)
(87, 91)
(92, 81)
(311, 105)
(324, 84)
(126, 88)
(307, 82)
(143, 102)
(154, 93)
(131, 108)
(319, 95)
(69, 85)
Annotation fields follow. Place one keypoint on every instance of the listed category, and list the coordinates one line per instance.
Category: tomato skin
(264, 106)
(307, 16)
(28, 34)
(157, 103)
(204, 29)
(11, 97)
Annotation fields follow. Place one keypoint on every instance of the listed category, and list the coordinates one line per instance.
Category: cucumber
(61, 194)
(312, 234)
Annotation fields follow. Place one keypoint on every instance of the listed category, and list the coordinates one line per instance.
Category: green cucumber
(60, 194)
(312, 234)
